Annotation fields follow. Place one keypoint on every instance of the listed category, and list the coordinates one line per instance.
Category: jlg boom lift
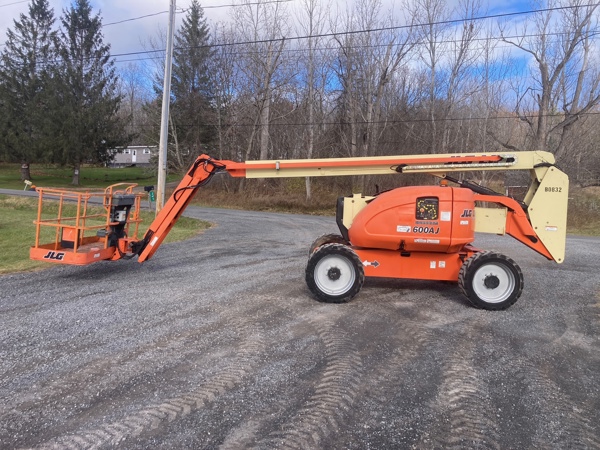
(416, 232)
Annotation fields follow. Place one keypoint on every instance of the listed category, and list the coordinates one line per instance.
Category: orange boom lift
(415, 232)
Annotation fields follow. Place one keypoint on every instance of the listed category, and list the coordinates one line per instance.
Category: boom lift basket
(83, 227)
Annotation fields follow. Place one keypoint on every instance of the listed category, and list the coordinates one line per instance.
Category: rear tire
(326, 239)
(334, 273)
(491, 281)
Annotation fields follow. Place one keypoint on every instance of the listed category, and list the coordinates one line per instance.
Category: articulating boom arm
(540, 217)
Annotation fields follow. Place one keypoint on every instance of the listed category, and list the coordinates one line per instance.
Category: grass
(90, 176)
(17, 232)
(584, 211)
(322, 203)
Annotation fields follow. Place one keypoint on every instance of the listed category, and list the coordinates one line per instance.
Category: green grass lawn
(90, 176)
(17, 232)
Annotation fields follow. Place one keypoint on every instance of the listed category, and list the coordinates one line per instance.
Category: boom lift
(415, 232)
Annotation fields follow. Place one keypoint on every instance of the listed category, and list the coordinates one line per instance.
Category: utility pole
(164, 120)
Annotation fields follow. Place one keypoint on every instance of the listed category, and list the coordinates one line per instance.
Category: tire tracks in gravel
(156, 415)
(151, 417)
(139, 358)
(94, 368)
(463, 404)
(340, 387)
(332, 396)
(569, 427)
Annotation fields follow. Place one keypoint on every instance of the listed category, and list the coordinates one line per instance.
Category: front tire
(334, 273)
(491, 281)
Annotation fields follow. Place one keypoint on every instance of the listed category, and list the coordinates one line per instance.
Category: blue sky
(127, 37)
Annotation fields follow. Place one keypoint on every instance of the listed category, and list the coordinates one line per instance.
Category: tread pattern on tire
(332, 238)
(464, 281)
(329, 249)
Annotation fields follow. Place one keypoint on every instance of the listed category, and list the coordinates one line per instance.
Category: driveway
(217, 343)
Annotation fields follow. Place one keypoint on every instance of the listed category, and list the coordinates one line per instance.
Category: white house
(133, 155)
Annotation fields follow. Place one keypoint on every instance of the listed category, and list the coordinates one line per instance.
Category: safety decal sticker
(427, 241)
(403, 228)
(446, 216)
(369, 263)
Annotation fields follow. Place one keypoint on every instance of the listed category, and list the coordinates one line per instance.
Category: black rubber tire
(334, 273)
(326, 239)
(494, 274)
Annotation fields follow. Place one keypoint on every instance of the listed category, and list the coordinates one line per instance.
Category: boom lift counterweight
(415, 232)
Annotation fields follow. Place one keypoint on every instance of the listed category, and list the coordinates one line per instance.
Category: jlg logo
(54, 256)
(467, 213)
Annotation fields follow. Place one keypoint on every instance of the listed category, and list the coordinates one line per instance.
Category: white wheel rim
(486, 278)
(334, 275)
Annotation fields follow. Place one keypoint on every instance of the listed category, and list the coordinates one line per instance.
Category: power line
(244, 4)
(377, 122)
(419, 25)
(398, 27)
(14, 3)
(231, 44)
(135, 18)
(369, 46)
(181, 11)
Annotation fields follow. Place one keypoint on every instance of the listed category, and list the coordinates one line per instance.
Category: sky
(125, 37)
(128, 37)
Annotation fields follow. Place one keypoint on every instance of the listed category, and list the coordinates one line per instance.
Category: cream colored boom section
(380, 165)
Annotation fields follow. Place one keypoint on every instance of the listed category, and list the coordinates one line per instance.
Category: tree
(134, 95)
(449, 59)
(367, 64)
(86, 92)
(563, 79)
(224, 79)
(263, 26)
(192, 91)
(313, 73)
(23, 85)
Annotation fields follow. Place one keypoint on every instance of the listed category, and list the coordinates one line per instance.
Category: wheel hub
(491, 281)
(334, 273)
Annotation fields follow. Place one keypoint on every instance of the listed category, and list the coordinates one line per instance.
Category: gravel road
(217, 343)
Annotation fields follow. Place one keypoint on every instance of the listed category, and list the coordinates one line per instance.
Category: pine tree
(192, 93)
(24, 77)
(86, 92)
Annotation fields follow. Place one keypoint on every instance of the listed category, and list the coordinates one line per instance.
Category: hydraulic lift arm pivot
(203, 169)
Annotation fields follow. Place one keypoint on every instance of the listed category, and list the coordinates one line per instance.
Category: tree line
(59, 96)
(304, 80)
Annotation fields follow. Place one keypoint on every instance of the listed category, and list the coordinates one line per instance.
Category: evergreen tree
(86, 92)
(192, 94)
(24, 77)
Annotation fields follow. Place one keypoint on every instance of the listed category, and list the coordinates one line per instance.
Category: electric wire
(182, 11)
(274, 124)
(13, 3)
(453, 21)
(350, 32)
(373, 30)
(237, 53)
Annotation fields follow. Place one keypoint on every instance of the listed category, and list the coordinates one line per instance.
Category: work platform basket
(83, 227)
